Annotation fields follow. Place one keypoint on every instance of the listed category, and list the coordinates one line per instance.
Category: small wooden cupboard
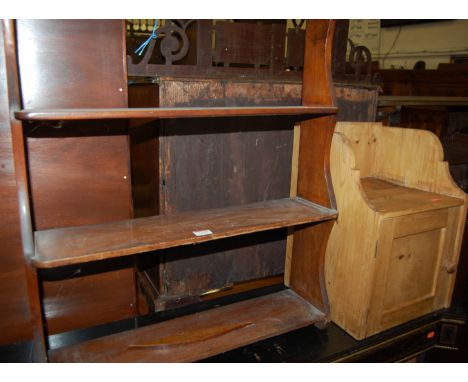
(393, 251)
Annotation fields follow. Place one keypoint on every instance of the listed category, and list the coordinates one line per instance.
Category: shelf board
(73, 245)
(172, 112)
(200, 335)
(394, 200)
(421, 101)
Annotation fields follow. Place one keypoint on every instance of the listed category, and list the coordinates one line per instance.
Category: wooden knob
(451, 267)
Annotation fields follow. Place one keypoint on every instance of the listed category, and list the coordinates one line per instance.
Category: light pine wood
(390, 199)
(414, 159)
(349, 293)
(410, 269)
(395, 245)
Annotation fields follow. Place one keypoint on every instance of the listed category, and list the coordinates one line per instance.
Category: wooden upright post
(19, 153)
(313, 177)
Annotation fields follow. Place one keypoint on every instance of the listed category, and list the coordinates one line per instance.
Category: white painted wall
(433, 43)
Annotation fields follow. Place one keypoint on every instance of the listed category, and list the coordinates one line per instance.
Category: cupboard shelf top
(394, 200)
(170, 112)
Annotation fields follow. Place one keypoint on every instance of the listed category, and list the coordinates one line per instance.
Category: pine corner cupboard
(308, 213)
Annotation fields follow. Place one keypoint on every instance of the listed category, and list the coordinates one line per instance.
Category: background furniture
(396, 243)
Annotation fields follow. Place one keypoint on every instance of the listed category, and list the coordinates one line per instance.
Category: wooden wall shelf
(72, 245)
(310, 209)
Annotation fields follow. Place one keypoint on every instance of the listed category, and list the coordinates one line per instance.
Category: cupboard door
(412, 253)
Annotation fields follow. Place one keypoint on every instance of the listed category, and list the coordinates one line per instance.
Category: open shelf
(200, 335)
(73, 245)
(422, 101)
(170, 112)
(390, 198)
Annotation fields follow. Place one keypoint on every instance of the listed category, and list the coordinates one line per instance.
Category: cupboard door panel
(412, 269)
(410, 256)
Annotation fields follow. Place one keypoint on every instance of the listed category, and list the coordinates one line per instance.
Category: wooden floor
(200, 335)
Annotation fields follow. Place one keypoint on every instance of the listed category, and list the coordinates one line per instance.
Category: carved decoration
(241, 48)
(174, 43)
(360, 60)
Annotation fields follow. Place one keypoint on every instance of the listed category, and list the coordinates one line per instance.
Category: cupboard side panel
(350, 256)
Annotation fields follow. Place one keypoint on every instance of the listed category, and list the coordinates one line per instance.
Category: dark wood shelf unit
(72, 245)
(171, 112)
(309, 210)
(200, 335)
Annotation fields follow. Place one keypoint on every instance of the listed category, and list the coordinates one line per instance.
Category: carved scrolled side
(306, 270)
(354, 223)
(414, 159)
(39, 353)
(317, 76)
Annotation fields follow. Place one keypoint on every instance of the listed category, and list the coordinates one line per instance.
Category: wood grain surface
(220, 162)
(216, 330)
(172, 112)
(20, 304)
(387, 198)
(65, 246)
(396, 242)
(78, 175)
(305, 273)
